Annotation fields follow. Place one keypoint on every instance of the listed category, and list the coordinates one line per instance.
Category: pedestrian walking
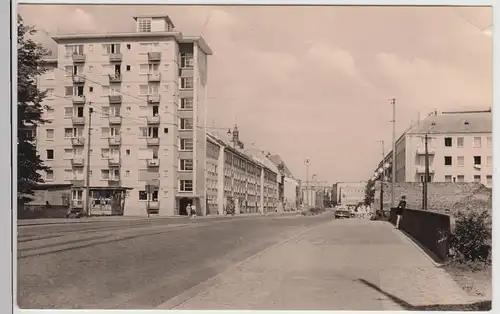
(399, 210)
(188, 209)
(193, 211)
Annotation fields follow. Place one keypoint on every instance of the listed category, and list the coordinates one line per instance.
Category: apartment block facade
(135, 103)
(234, 177)
(459, 149)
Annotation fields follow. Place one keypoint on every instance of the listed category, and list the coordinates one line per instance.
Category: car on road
(342, 212)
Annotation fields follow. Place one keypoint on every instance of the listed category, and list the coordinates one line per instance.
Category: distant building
(350, 193)
(287, 185)
(459, 149)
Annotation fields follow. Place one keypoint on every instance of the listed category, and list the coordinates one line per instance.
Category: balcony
(115, 120)
(430, 150)
(78, 182)
(115, 99)
(153, 162)
(78, 58)
(153, 119)
(77, 161)
(153, 99)
(115, 78)
(154, 56)
(114, 161)
(78, 120)
(115, 140)
(153, 141)
(154, 77)
(113, 179)
(76, 203)
(77, 141)
(115, 57)
(421, 169)
(78, 100)
(78, 79)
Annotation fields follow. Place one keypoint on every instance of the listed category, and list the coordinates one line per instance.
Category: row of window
(477, 160)
(187, 83)
(460, 142)
(461, 178)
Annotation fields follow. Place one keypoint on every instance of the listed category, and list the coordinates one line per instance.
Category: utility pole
(382, 181)
(393, 176)
(426, 179)
(87, 188)
(307, 162)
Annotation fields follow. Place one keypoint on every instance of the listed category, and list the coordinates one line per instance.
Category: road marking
(194, 291)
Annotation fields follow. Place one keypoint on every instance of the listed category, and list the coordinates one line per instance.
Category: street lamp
(307, 163)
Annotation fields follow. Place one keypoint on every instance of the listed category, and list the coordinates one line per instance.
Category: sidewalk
(340, 265)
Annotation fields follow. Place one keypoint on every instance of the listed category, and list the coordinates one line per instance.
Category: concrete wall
(430, 229)
(441, 196)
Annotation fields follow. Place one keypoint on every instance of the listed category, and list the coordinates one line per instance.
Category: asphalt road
(137, 264)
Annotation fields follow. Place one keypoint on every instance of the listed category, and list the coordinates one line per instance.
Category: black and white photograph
(252, 156)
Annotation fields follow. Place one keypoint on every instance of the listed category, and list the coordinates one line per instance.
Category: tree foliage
(30, 66)
(471, 239)
(369, 192)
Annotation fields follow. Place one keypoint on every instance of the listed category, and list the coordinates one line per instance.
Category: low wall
(429, 228)
(441, 196)
(41, 211)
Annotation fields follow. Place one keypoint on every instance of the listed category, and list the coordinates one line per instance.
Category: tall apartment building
(141, 96)
(459, 149)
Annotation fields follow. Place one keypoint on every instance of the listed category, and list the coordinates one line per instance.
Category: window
(489, 141)
(144, 25)
(127, 152)
(477, 142)
(50, 73)
(447, 142)
(104, 174)
(91, 89)
(477, 178)
(489, 160)
(68, 153)
(165, 130)
(104, 111)
(187, 60)
(186, 123)
(187, 83)
(50, 93)
(105, 132)
(49, 175)
(68, 90)
(477, 160)
(50, 154)
(128, 67)
(186, 164)
(460, 178)
(447, 179)
(91, 68)
(128, 46)
(186, 185)
(187, 103)
(50, 113)
(50, 134)
(447, 160)
(489, 180)
(460, 161)
(68, 70)
(460, 142)
(143, 89)
(111, 48)
(105, 153)
(127, 173)
(91, 47)
(165, 173)
(143, 132)
(74, 50)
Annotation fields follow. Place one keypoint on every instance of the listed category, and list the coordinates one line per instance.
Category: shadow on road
(477, 306)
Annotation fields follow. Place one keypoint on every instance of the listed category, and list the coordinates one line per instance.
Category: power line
(469, 21)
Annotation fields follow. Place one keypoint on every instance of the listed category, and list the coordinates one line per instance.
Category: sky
(315, 81)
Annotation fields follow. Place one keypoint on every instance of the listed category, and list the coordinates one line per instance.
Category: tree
(369, 192)
(30, 66)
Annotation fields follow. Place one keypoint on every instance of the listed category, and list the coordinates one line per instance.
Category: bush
(471, 237)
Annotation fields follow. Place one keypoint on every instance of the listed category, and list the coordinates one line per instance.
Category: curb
(185, 296)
